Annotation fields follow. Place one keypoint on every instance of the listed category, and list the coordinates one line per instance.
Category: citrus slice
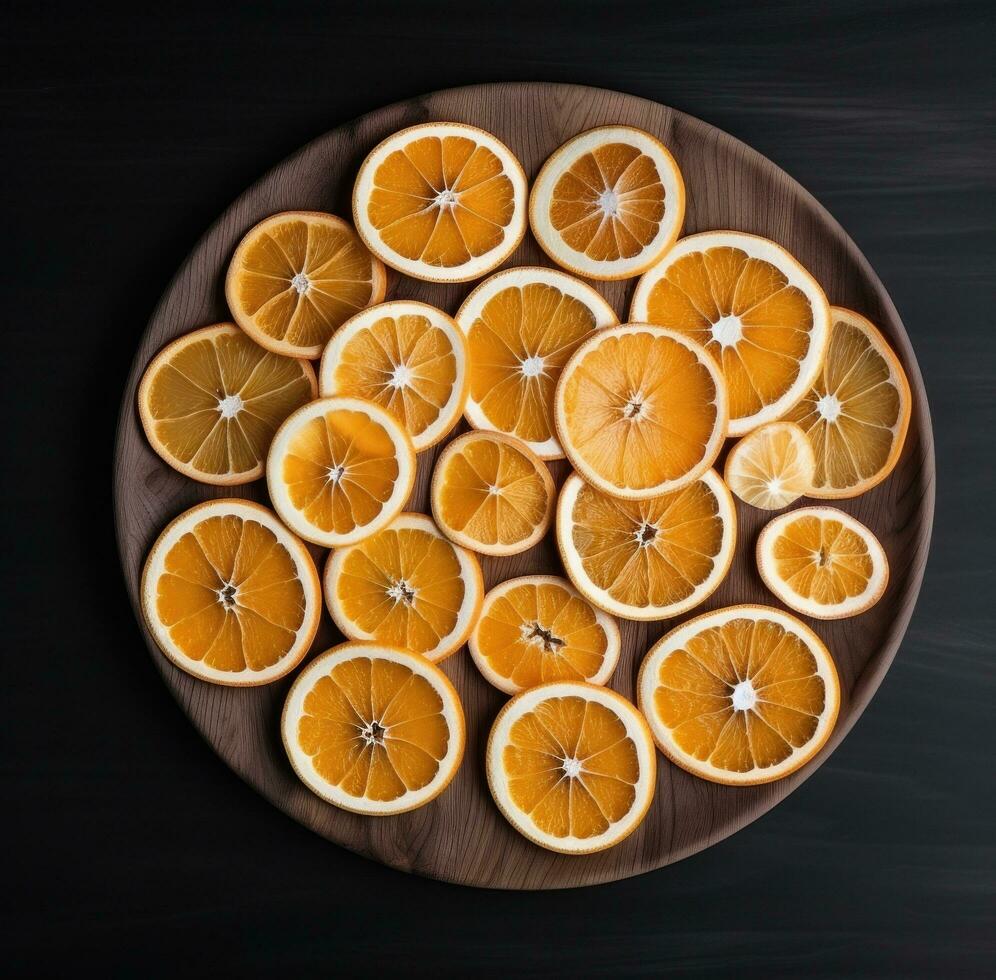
(640, 410)
(492, 494)
(211, 401)
(339, 470)
(441, 201)
(857, 411)
(372, 729)
(772, 466)
(522, 325)
(571, 766)
(822, 563)
(406, 586)
(753, 307)
(608, 203)
(742, 695)
(647, 559)
(409, 358)
(537, 629)
(296, 277)
(230, 595)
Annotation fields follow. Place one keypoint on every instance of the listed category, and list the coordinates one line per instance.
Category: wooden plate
(461, 837)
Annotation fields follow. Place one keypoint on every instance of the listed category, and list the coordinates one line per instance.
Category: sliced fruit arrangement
(373, 729)
(647, 559)
(822, 563)
(771, 467)
(441, 201)
(753, 306)
(406, 586)
(409, 358)
(298, 275)
(211, 400)
(608, 203)
(537, 629)
(230, 595)
(742, 695)
(857, 410)
(522, 325)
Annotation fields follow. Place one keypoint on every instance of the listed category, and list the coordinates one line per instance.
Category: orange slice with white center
(771, 467)
(742, 695)
(409, 358)
(608, 203)
(571, 766)
(373, 730)
(522, 325)
(444, 202)
(230, 595)
(753, 306)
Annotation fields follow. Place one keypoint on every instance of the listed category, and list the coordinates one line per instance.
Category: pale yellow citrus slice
(772, 466)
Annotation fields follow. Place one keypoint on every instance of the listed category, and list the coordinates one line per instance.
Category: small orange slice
(771, 467)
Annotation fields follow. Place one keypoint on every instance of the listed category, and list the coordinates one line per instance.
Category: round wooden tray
(461, 837)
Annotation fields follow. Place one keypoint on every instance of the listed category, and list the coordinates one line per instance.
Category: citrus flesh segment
(647, 559)
(640, 410)
(857, 411)
(771, 467)
(522, 325)
(407, 357)
(742, 695)
(298, 275)
(753, 307)
(211, 400)
(822, 563)
(230, 595)
(539, 628)
(372, 729)
(443, 202)
(339, 469)
(608, 203)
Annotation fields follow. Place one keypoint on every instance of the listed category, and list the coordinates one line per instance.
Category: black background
(130, 846)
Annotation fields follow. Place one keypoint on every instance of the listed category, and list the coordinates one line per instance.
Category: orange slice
(822, 563)
(537, 629)
(211, 401)
(406, 586)
(409, 358)
(771, 467)
(647, 559)
(608, 203)
(522, 325)
(640, 410)
(444, 202)
(296, 277)
(571, 766)
(857, 411)
(757, 311)
(339, 470)
(230, 595)
(492, 494)
(742, 695)
(373, 730)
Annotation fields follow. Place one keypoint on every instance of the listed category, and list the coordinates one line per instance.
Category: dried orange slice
(772, 466)
(522, 325)
(857, 411)
(608, 203)
(441, 201)
(822, 563)
(296, 276)
(211, 401)
(537, 629)
(640, 410)
(742, 695)
(647, 559)
(339, 470)
(409, 358)
(373, 730)
(230, 595)
(757, 311)
(571, 766)
(406, 586)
